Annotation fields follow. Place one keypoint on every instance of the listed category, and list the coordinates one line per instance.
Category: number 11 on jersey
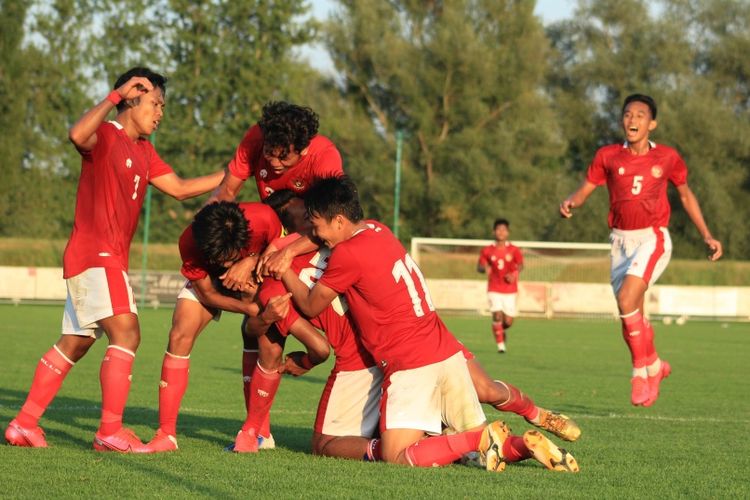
(403, 270)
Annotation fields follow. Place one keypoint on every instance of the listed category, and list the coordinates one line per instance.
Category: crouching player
(221, 235)
(426, 380)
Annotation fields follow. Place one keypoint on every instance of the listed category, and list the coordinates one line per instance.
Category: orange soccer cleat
(21, 436)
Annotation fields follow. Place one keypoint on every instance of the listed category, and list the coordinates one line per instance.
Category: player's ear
(652, 125)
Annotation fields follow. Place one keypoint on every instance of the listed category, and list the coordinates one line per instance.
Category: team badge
(621, 170)
(298, 184)
(263, 173)
(128, 163)
(656, 171)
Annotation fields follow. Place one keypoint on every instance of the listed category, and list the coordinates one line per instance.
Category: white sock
(654, 368)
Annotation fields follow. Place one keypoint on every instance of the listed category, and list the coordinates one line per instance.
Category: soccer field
(692, 443)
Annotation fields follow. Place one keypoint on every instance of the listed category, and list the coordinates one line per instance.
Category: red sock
(442, 450)
(634, 333)
(518, 402)
(249, 359)
(175, 371)
(651, 355)
(263, 387)
(515, 450)
(114, 376)
(498, 331)
(48, 377)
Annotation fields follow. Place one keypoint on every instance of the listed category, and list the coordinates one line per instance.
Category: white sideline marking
(664, 418)
(156, 409)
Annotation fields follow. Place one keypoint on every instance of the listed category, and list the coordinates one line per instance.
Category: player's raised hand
(135, 87)
(240, 275)
(566, 209)
(277, 263)
(277, 308)
(715, 247)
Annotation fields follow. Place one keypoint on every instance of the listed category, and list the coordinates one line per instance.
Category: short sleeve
(483, 260)
(343, 270)
(678, 173)
(156, 166)
(192, 263)
(597, 173)
(240, 166)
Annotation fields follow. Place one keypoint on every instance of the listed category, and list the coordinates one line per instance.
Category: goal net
(558, 279)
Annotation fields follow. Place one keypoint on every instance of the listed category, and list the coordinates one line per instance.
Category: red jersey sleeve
(518, 256)
(193, 267)
(484, 257)
(156, 166)
(597, 173)
(330, 164)
(343, 270)
(678, 172)
(251, 145)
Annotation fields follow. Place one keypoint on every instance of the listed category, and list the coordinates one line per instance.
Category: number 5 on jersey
(403, 270)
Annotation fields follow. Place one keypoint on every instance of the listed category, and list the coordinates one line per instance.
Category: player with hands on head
(118, 162)
(637, 173)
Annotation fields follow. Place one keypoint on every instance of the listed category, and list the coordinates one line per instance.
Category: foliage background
(500, 114)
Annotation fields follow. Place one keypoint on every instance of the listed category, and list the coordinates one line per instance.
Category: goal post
(559, 279)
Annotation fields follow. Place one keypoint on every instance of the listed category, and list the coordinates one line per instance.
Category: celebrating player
(636, 174)
(426, 381)
(118, 162)
(501, 261)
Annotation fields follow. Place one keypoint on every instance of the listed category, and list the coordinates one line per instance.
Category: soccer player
(118, 162)
(426, 381)
(636, 173)
(221, 234)
(501, 261)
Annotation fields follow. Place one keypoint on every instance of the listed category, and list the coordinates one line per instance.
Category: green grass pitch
(692, 443)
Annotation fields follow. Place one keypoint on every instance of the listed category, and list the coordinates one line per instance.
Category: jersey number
(310, 275)
(137, 180)
(403, 270)
(637, 184)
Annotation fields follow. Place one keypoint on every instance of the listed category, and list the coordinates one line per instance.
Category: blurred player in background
(636, 173)
(118, 162)
(502, 262)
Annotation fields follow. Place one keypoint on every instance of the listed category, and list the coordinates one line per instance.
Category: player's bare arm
(276, 309)
(693, 209)
(577, 199)
(240, 275)
(182, 189)
(276, 263)
(309, 301)
(210, 297)
(228, 189)
(83, 133)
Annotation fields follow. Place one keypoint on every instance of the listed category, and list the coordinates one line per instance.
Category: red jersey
(388, 300)
(263, 225)
(111, 190)
(502, 260)
(321, 160)
(334, 320)
(637, 184)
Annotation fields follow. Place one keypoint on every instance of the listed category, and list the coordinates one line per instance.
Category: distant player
(426, 381)
(636, 173)
(221, 234)
(502, 262)
(118, 162)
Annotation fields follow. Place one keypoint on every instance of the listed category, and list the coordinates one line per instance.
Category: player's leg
(249, 359)
(629, 297)
(189, 319)
(504, 396)
(264, 383)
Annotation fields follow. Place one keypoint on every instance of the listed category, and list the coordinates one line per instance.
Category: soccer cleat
(491, 446)
(639, 393)
(16, 435)
(263, 444)
(655, 381)
(122, 441)
(548, 454)
(162, 442)
(501, 347)
(558, 424)
(246, 442)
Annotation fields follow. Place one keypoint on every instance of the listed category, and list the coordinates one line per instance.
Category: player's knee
(507, 322)
(180, 341)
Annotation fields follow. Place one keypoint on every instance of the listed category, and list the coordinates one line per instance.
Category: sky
(549, 10)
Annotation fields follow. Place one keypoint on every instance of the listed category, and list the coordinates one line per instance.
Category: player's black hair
(332, 196)
(501, 222)
(645, 99)
(279, 202)
(221, 232)
(284, 123)
(156, 80)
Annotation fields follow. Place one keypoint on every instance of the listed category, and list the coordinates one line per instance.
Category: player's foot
(501, 347)
(639, 392)
(558, 424)
(548, 454)
(21, 436)
(655, 381)
(162, 442)
(122, 441)
(264, 443)
(491, 446)
(246, 442)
